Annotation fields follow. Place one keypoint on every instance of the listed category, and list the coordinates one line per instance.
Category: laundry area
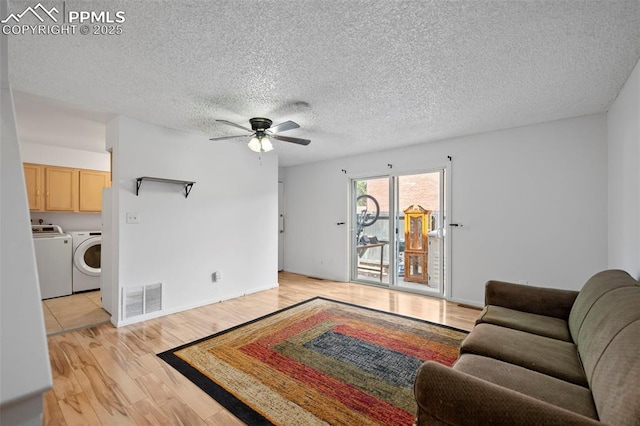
(68, 265)
(66, 170)
(65, 206)
(67, 262)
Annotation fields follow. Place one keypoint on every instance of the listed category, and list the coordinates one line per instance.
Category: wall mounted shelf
(187, 183)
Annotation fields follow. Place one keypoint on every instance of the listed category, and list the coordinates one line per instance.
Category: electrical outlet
(133, 218)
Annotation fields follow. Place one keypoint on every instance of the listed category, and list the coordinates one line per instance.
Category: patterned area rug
(317, 362)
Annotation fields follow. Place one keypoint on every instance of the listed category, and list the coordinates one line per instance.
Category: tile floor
(73, 312)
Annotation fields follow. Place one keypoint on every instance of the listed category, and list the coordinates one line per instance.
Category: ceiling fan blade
(229, 123)
(229, 137)
(290, 139)
(283, 127)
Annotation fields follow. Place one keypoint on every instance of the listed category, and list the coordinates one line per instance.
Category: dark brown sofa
(540, 356)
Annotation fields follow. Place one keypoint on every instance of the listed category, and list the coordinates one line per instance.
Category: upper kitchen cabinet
(91, 184)
(61, 189)
(64, 189)
(34, 178)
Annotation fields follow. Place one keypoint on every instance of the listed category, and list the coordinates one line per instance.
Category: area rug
(317, 362)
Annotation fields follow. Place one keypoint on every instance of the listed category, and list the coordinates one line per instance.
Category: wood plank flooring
(111, 376)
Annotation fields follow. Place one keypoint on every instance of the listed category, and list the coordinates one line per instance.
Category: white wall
(532, 201)
(623, 125)
(24, 359)
(228, 223)
(64, 157)
(68, 221)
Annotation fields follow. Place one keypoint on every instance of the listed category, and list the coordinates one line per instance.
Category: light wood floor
(111, 376)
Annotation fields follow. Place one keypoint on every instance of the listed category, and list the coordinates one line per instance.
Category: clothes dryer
(87, 248)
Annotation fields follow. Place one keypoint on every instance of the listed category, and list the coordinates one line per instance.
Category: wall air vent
(141, 300)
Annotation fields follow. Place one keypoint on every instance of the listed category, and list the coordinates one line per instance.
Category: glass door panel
(371, 232)
(420, 225)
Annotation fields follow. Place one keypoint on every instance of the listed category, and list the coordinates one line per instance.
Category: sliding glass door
(398, 235)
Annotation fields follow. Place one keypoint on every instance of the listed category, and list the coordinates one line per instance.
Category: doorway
(399, 237)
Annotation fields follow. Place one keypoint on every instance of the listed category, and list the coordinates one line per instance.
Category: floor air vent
(142, 300)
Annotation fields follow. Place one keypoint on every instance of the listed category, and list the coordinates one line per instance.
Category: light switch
(133, 218)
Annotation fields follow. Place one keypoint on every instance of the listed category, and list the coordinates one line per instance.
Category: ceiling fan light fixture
(255, 145)
(266, 144)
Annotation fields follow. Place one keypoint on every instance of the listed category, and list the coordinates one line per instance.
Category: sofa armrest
(536, 300)
(446, 396)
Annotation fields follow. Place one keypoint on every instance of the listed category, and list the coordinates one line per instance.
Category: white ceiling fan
(262, 131)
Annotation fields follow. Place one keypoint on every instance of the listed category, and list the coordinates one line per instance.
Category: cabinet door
(61, 186)
(34, 179)
(91, 184)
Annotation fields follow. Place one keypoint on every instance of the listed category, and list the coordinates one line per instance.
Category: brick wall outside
(423, 189)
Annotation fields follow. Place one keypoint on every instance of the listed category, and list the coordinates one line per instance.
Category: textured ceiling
(356, 75)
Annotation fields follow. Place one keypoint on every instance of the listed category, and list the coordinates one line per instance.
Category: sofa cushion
(541, 325)
(446, 396)
(554, 357)
(608, 316)
(597, 286)
(615, 383)
(536, 385)
(549, 302)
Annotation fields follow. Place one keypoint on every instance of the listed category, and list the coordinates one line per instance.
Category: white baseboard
(473, 303)
(183, 308)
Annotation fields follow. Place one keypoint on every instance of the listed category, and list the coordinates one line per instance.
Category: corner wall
(24, 357)
(623, 127)
(228, 223)
(532, 201)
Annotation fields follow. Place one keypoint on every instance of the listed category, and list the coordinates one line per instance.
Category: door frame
(280, 226)
(445, 187)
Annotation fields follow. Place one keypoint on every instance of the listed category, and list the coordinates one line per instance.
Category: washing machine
(53, 250)
(87, 247)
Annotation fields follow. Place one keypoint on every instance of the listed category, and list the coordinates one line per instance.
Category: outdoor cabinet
(417, 224)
